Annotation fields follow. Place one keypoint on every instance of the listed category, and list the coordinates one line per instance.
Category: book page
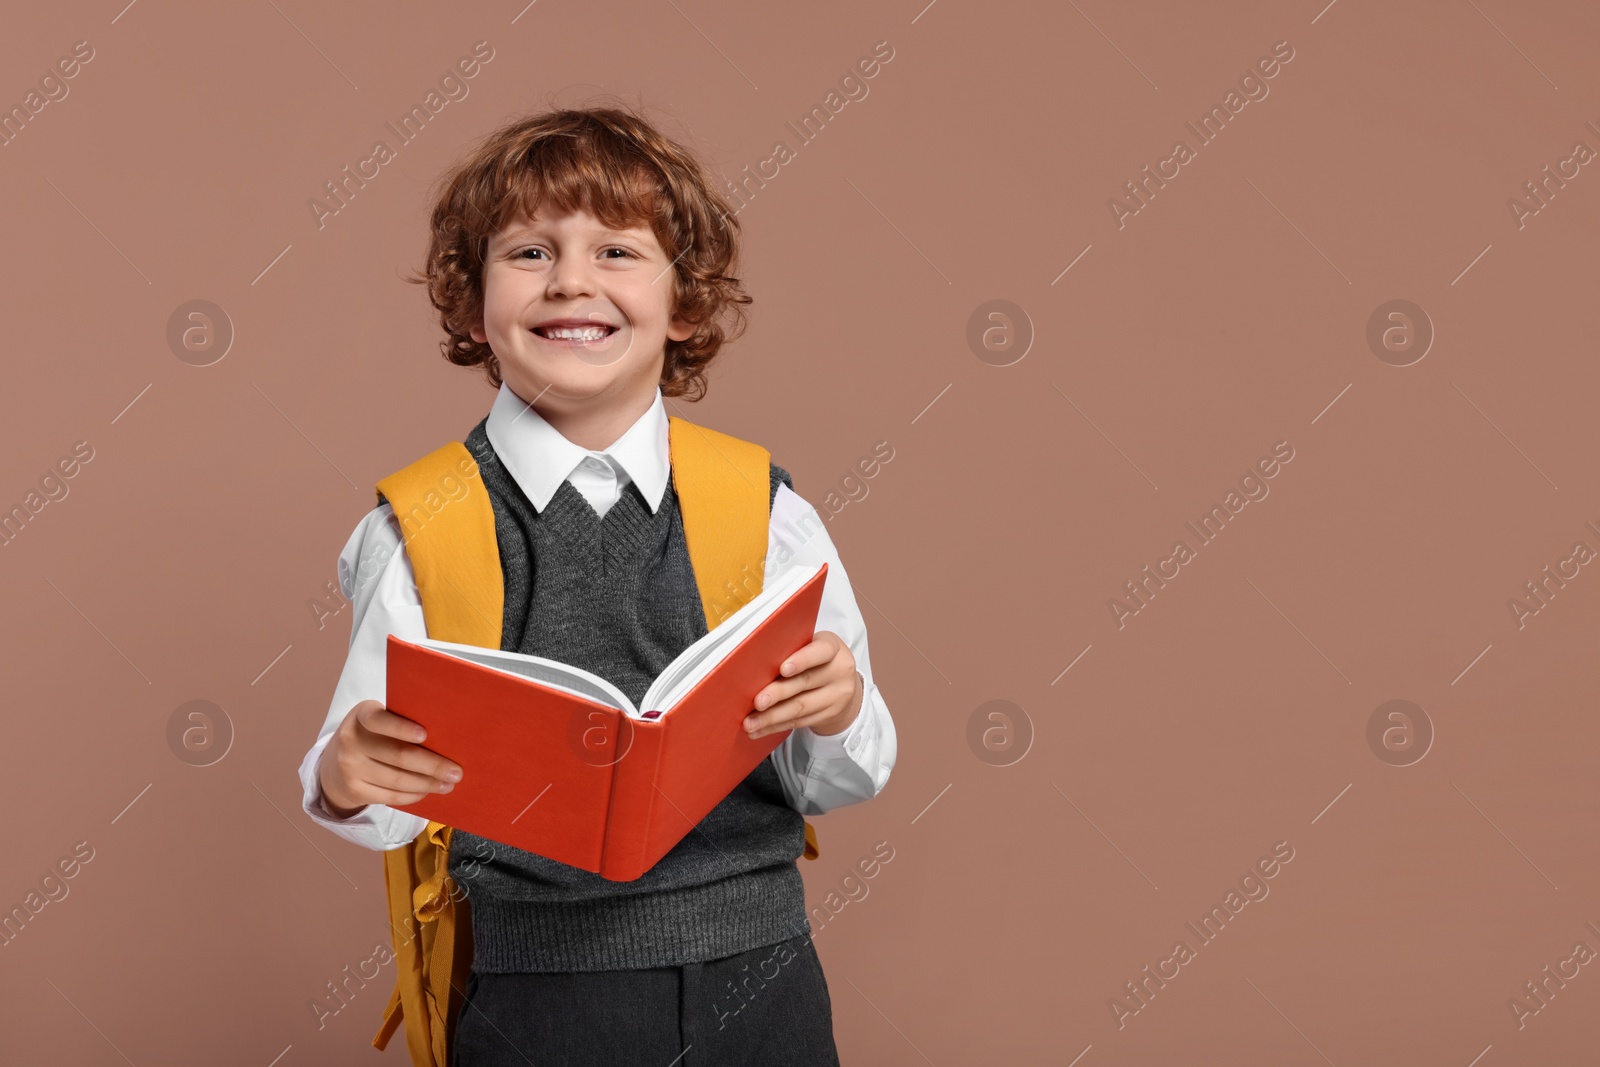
(700, 658)
(553, 673)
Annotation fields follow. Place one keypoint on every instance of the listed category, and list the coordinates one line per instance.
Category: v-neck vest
(617, 596)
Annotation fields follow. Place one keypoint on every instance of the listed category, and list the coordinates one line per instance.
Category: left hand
(818, 687)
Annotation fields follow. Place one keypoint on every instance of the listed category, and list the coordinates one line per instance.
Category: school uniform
(707, 956)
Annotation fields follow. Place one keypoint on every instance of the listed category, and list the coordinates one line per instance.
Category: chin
(563, 384)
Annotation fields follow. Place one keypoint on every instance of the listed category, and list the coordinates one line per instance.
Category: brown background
(1231, 312)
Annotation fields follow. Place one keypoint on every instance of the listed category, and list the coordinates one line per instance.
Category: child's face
(608, 291)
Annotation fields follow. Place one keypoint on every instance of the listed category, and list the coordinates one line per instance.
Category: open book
(557, 761)
(672, 684)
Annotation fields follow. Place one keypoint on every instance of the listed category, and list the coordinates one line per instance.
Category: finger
(394, 798)
(784, 688)
(380, 720)
(379, 775)
(804, 669)
(778, 715)
(819, 651)
(415, 758)
(802, 709)
(828, 671)
(807, 719)
(793, 672)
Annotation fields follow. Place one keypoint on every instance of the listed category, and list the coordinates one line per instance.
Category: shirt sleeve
(825, 771)
(375, 576)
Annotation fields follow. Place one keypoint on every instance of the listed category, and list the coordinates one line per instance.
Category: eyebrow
(527, 231)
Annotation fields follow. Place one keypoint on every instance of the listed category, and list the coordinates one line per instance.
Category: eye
(521, 252)
(624, 251)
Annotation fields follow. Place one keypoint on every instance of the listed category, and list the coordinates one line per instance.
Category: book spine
(634, 792)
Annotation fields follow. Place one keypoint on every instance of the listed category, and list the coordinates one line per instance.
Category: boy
(584, 261)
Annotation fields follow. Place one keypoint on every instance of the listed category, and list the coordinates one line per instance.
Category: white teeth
(576, 333)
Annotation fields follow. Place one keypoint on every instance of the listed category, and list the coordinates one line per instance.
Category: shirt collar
(540, 458)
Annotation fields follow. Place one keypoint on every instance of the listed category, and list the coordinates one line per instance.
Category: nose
(567, 278)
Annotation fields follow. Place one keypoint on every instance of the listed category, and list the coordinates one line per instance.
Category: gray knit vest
(617, 596)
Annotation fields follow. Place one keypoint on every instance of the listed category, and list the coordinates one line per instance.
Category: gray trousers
(768, 1007)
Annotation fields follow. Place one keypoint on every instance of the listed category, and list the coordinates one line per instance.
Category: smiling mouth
(576, 334)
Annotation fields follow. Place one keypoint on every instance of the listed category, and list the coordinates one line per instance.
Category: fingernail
(446, 787)
(420, 735)
(452, 776)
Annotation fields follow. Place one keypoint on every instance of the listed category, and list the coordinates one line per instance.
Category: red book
(558, 762)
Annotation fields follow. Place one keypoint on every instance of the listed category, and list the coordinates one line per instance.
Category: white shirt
(819, 771)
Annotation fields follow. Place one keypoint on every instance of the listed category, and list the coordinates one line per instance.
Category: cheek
(646, 306)
(505, 295)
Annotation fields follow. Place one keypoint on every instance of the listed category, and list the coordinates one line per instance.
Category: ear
(678, 330)
(478, 335)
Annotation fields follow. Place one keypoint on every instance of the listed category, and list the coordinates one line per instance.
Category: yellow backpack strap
(724, 486)
(447, 522)
(433, 947)
(448, 525)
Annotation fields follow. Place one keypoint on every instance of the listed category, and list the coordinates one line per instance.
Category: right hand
(375, 757)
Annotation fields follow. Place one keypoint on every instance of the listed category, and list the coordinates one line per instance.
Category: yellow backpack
(723, 486)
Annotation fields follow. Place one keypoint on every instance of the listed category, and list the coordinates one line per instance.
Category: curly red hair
(615, 164)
